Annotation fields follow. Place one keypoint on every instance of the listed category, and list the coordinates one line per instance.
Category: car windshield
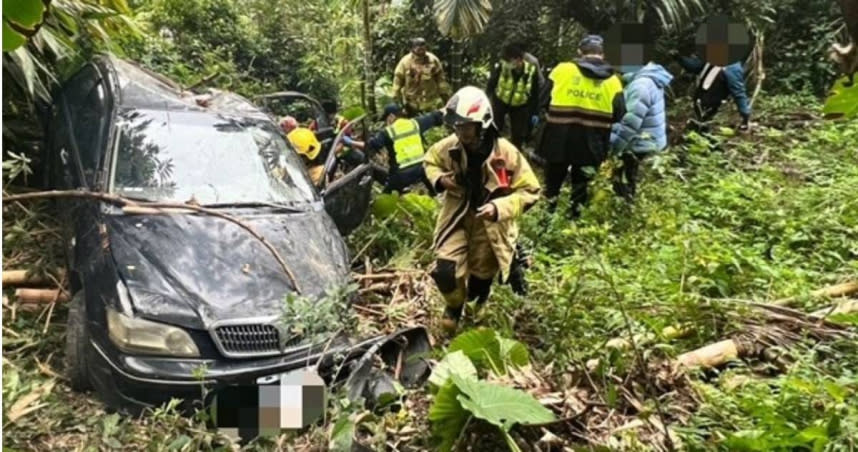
(180, 156)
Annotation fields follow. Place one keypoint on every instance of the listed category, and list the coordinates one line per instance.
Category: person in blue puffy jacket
(643, 129)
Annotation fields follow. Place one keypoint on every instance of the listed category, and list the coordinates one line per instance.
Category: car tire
(77, 340)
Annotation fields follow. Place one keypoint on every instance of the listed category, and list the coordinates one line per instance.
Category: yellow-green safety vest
(407, 143)
(515, 93)
(576, 98)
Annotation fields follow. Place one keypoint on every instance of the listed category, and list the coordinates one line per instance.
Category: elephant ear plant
(462, 397)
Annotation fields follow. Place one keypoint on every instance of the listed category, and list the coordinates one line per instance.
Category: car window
(212, 159)
(84, 97)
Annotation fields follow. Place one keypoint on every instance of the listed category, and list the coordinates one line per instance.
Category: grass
(756, 217)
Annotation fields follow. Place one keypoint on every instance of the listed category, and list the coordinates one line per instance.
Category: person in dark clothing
(714, 85)
(403, 140)
(586, 99)
(513, 88)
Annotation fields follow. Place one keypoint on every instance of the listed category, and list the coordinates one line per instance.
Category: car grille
(248, 340)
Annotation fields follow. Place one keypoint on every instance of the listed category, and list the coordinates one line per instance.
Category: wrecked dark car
(167, 302)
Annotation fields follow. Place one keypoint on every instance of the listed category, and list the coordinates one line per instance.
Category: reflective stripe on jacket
(578, 99)
(447, 157)
(407, 143)
(515, 92)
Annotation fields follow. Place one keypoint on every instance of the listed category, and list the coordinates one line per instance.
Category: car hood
(194, 270)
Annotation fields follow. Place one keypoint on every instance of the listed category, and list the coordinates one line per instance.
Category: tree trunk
(368, 74)
(456, 55)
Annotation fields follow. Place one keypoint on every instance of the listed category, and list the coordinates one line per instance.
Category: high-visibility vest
(407, 143)
(577, 99)
(515, 93)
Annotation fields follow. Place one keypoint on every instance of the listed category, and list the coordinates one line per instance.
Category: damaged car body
(165, 303)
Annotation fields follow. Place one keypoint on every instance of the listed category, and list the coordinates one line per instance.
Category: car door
(81, 121)
(347, 191)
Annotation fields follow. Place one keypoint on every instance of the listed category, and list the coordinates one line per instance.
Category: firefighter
(309, 148)
(419, 82)
(586, 99)
(486, 184)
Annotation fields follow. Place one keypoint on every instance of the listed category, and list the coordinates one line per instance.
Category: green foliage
(315, 319)
(800, 410)
(460, 394)
(489, 351)
(842, 101)
(24, 15)
(453, 363)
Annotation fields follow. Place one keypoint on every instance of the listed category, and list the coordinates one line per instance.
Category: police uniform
(586, 99)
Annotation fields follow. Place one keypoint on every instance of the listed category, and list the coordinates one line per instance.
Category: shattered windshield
(181, 155)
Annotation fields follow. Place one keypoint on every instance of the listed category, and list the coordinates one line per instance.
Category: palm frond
(460, 19)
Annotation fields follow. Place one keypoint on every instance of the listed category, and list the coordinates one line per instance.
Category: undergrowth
(749, 217)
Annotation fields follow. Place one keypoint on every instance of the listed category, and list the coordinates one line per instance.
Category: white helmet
(469, 104)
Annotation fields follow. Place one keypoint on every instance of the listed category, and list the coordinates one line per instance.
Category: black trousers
(402, 178)
(519, 121)
(625, 179)
(556, 174)
(572, 151)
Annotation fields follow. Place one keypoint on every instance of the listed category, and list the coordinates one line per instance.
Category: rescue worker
(403, 140)
(586, 99)
(309, 148)
(419, 82)
(714, 85)
(486, 185)
(514, 88)
(643, 129)
(288, 124)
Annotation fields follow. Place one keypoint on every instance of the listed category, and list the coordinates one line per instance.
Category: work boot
(450, 321)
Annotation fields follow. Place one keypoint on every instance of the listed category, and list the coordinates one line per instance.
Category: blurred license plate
(290, 400)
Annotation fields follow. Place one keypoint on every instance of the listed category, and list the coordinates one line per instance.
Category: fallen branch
(27, 277)
(41, 296)
(151, 208)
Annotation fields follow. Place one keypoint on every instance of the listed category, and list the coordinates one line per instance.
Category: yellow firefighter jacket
(447, 157)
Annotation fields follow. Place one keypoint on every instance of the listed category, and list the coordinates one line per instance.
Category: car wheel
(77, 339)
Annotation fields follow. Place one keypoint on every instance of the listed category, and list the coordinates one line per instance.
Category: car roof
(137, 87)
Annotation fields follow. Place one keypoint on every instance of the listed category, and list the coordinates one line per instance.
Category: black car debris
(157, 297)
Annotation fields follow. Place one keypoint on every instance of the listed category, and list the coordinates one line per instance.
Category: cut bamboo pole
(712, 355)
(24, 277)
(843, 308)
(40, 295)
(838, 290)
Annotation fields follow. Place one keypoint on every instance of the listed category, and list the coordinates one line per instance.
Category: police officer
(402, 138)
(586, 99)
(513, 87)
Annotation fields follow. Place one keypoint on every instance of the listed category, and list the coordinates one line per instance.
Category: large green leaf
(842, 101)
(342, 434)
(513, 352)
(24, 15)
(487, 350)
(500, 405)
(447, 416)
(453, 363)
(481, 346)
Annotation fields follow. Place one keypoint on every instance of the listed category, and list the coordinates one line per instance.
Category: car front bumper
(132, 383)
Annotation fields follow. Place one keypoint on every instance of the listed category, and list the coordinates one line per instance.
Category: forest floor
(717, 226)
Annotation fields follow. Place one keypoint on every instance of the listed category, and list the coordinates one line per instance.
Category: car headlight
(143, 336)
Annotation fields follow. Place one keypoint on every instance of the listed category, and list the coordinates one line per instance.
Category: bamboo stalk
(41, 296)
(712, 355)
(25, 277)
(837, 290)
